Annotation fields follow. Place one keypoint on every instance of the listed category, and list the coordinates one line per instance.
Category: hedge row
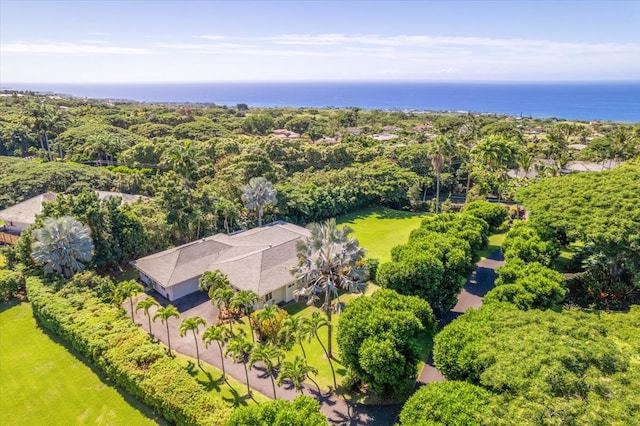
(124, 352)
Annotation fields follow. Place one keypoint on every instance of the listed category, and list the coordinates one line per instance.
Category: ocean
(618, 101)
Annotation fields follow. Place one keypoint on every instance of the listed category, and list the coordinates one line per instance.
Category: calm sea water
(578, 101)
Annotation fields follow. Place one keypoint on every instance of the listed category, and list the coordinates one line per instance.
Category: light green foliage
(447, 403)
(545, 367)
(525, 242)
(493, 214)
(528, 286)
(23, 179)
(434, 264)
(302, 411)
(603, 211)
(10, 283)
(378, 336)
(123, 351)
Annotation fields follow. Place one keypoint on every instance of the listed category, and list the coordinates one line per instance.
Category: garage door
(185, 288)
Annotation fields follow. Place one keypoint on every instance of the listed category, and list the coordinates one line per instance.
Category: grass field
(380, 229)
(42, 383)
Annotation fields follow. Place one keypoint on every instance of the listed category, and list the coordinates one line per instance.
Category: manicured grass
(43, 383)
(495, 243)
(210, 377)
(563, 262)
(380, 229)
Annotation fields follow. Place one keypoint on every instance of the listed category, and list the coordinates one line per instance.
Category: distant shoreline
(581, 101)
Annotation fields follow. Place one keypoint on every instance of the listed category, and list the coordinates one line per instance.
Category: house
(19, 217)
(259, 259)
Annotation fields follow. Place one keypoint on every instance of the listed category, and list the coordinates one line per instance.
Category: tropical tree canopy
(258, 193)
(62, 246)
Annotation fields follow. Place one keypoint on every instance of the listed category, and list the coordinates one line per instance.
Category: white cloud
(31, 48)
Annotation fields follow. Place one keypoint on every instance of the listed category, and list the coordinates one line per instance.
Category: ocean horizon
(605, 101)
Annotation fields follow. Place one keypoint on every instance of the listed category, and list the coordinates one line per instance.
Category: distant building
(21, 216)
(258, 259)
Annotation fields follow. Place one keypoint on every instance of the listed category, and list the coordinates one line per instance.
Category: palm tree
(496, 153)
(61, 245)
(240, 349)
(325, 261)
(525, 162)
(193, 325)
(293, 328)
(146, 304)
(267, 315)
(265, 353)
(314, 323)
(258, 193)
(164, 314)
(297, 371)
(184, 158)
(220, 335)
(245, 300)
(439, 152)
(210, 281)
(222, 296)
(128, 290)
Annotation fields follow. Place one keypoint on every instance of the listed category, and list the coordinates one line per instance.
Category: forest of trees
(555, 341)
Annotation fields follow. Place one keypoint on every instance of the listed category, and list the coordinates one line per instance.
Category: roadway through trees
(337, 410)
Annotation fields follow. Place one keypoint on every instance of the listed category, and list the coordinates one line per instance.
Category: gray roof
(258, 259)
(26, 211)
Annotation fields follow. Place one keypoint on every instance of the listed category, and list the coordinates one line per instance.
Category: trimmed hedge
(123, 351)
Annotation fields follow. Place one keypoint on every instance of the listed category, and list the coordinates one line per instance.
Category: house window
(291, 285)
(268, 297)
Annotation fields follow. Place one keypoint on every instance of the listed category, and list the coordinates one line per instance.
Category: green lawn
(380, 229)
(41, 382)
(495, 243)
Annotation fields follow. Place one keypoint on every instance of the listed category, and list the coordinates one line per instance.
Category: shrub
(10, 283)
(124, 352)
(525, 242)
(493, 214)
(302, 411)
(446, 403)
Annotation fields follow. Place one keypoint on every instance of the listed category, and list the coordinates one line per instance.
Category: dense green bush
(10, 283)
(492, 213)
(436, 261)
(447, 403)
(528, 286)
(378, 336)
(302, 411)
(123, 351)
(525, 242)
(545, 367)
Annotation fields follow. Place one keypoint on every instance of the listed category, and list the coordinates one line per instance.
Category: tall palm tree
(325, 260)
(525, 162)
(164, 314)
(297, 371)
(62, 245)
(293, 328)
(313, 324)
(222, 296)
(146, 304)
(128, 290)
(439, 151)
(245, 300)
(496, 153)
(220, 335)
(193, 325)
(240, 349)
(265, 353)
(258, 193)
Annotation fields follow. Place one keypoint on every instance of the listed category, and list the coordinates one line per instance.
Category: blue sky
(165, 41)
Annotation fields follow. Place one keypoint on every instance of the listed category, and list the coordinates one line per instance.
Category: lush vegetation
(546, 367)
(601, 211)
(302, 411)
(378, 339)
(45, 383)
(123, 351)
(436, 261)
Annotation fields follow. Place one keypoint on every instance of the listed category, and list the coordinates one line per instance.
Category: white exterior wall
(183, 289)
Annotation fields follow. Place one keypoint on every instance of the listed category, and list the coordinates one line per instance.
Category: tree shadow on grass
(204, 377)
(4, 306)
(237, 399)
(146, 410)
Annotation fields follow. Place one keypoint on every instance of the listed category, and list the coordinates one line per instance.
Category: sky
(219, 41)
